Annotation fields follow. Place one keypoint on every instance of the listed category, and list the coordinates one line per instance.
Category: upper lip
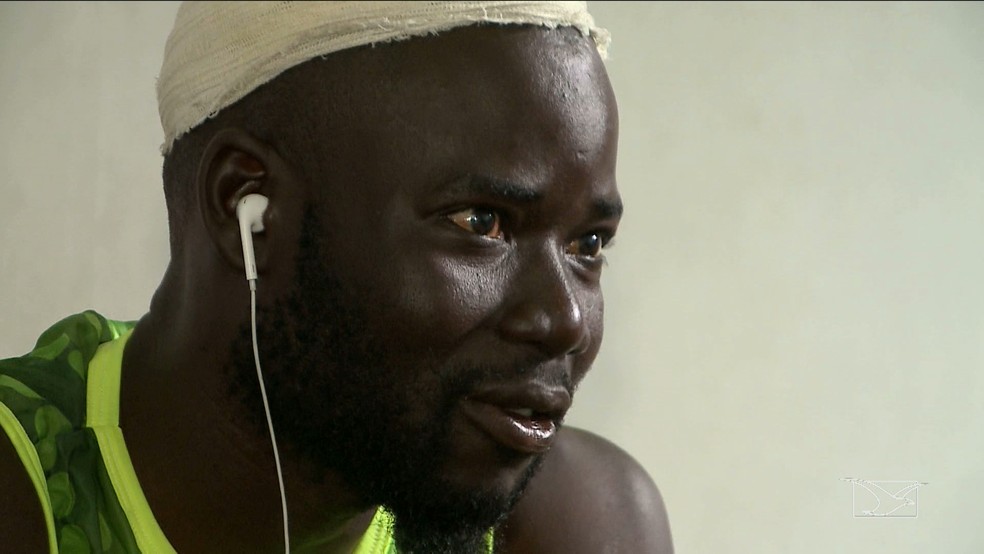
(545, 401)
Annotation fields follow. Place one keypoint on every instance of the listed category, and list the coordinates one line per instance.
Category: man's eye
(589, 245)
(481, 221)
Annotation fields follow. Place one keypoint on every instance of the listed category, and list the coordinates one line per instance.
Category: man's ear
(233, 165)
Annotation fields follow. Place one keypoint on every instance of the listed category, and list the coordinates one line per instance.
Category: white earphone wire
(266, 408)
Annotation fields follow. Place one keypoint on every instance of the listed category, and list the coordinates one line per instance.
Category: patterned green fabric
(45, 391)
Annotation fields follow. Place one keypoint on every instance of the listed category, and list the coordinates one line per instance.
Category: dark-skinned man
(437, 184)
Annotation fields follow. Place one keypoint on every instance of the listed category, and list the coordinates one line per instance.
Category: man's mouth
(521, 418)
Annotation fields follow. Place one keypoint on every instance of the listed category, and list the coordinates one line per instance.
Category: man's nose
(545, 308)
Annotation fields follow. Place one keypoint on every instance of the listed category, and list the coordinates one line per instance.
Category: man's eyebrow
(496, 187)
(486, 185)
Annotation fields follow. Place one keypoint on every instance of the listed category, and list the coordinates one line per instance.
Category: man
(428, 299)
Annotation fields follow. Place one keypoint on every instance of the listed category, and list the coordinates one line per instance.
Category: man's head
(429, 279)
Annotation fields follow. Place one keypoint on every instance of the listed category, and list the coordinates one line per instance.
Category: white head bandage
(218, 52)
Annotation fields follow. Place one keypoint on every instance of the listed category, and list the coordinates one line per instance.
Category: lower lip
(522, 434)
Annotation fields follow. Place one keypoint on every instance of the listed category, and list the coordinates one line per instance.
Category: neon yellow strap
(378, 538)
(103, 417)
(29, 457)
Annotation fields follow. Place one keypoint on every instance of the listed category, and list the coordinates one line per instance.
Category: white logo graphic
(885, 498)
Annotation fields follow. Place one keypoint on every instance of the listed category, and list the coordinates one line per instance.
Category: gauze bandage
(218, 52)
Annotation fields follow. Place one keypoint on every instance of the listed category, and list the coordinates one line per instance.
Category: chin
(457, 516)
(502, 475)
(453, 507)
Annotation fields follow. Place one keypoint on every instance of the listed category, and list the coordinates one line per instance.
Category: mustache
(464, 379)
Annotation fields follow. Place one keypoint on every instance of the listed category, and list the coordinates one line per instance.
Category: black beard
(342, 400)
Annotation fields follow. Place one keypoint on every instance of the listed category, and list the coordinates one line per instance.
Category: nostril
(580, 348)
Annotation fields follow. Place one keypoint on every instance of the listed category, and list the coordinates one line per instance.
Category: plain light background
(794, 297)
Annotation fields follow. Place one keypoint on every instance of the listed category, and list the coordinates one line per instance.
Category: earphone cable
(266, 408)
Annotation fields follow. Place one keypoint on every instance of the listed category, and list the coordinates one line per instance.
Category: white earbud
(249, 212)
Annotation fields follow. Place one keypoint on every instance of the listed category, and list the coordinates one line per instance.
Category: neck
(207, 471)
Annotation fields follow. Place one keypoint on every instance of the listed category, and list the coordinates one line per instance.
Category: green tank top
(59, 405)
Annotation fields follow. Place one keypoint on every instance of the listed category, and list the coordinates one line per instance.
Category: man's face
(448, 299)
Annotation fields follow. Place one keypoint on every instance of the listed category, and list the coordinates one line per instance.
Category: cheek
(440, 300)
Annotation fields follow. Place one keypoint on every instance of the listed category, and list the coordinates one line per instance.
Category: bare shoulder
(22, 527)
(590, 496)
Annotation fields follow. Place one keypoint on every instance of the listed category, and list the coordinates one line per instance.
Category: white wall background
(795, 296)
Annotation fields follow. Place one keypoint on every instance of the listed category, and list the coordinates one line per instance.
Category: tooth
(523, 412)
